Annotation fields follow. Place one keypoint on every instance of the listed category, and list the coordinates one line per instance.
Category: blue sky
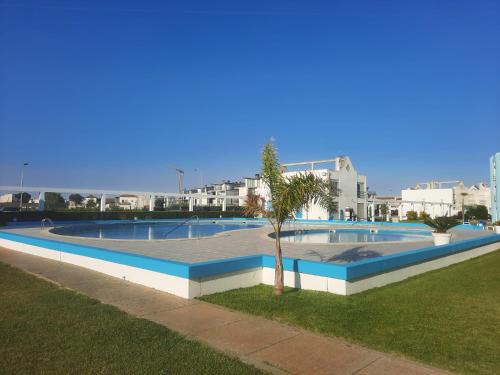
(106, 93)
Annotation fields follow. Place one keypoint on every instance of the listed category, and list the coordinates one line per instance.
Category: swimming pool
(150, 230)
(353, 235)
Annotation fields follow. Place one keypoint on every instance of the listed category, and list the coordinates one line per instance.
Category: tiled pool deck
(245, 242)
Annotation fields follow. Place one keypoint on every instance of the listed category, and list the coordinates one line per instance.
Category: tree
(287, 196)
(26, 197)
(411, 215)
(478, 212)
(54, 201)
(159, 204)
(91, 203)
(384, 209)
(77, 199)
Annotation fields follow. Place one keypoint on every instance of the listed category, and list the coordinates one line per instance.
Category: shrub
(441, 224)
(423, 216)
(478, 212)
(411, 215)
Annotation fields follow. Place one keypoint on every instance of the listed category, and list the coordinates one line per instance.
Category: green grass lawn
(47, 329)
(449, 318)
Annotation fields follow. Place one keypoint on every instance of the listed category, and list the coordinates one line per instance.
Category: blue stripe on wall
(349, 271)
(221, 266)
(369, 267)
(310, 267)
(134, 260)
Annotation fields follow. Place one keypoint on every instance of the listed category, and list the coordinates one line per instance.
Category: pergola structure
(374, 202)
(103, 193)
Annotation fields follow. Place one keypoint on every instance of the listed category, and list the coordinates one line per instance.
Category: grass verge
(449, 318)
(47, 329)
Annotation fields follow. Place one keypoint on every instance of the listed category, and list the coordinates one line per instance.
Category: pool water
(352, 236)
(149, 231)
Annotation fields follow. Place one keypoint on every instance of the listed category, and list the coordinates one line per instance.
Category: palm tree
(287, 196)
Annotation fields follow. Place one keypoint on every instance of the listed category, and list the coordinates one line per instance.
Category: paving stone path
(269, 345)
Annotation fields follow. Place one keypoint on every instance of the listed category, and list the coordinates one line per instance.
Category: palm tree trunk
(278, 267)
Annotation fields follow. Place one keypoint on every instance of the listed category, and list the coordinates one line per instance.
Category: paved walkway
(268, 345)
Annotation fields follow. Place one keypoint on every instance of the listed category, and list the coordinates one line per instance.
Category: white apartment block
(351, 198)
(226, 188)
(251, 185)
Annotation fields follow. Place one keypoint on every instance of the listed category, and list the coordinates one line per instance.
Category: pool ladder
(185, 222)
(47, 220)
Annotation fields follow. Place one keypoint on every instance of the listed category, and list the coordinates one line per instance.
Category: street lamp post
(463, 194)
(21, 194)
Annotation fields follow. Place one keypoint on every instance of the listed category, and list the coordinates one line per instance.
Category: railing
(46, 220)
(185, 222)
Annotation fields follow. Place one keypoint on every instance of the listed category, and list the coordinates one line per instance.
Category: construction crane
(180, 178)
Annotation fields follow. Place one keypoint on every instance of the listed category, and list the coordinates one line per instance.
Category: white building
(8, 198)
(432, 199)
(226, 188)
(132, 202)
(475, 195)
(204, 201)
(443, 198)
(349, 185)
(89, 199)
(251, 185)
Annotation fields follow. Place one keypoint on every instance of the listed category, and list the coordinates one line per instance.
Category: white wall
(428, 200)
(8, 198)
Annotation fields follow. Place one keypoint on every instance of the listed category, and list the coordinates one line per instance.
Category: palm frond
(254, 205)
(296, 192)
(441, 224)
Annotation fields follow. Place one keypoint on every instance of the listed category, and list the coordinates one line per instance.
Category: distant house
(132, 202)
(89, 199)
(8, 198)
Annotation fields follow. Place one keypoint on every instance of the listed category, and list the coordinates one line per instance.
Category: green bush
(73, 215)
(411, 215)
(423, 216)
(478, 212)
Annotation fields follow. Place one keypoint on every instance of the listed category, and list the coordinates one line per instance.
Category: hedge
(71, 215)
